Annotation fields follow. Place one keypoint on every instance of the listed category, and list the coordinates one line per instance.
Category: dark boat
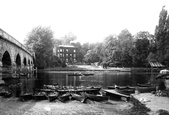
(53, 96)
(111, 87)
(51, 87)
(126, 90)
(64, 97)
(26, 96)
(78, 97)
(78, 90)
(146, 89)
(5, 93)
(144, 85)
(8, 94)
(39, 96)
(96, 97)
(75, 74)
(87, 74)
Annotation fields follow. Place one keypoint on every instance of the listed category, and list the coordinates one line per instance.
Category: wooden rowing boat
(53, 96)
(144, 85)
(26, 96)
(64, 97)
(40, 96)
(78, 97)
(96, 97)
(126, 90)
(146, 89)
(110, 87)
(88, 90)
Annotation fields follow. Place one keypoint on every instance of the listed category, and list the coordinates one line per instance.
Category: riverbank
(151, 105)
(100, 68)
(85, 68)
(12, 106)
(159, 105)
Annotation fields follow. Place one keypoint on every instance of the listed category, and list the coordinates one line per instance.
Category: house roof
(156, 64)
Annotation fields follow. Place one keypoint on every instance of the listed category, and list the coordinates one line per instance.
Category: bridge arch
(18, 60)
(6, 59)
(29, 62)
(24, 61)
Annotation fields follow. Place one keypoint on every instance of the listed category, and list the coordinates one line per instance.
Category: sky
(89, 20)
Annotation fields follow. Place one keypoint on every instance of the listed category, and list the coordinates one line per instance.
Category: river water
(100, 78)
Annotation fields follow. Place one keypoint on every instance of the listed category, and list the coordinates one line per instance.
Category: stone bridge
(15, 59)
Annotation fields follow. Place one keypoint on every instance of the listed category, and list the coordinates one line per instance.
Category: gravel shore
(13, 106)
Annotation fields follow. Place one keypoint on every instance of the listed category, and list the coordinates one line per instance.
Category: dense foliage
(125, 49)
(40, 40)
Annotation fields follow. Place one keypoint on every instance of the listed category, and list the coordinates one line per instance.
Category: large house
(67, 53)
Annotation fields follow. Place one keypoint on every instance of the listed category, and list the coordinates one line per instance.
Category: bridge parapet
(8, 37)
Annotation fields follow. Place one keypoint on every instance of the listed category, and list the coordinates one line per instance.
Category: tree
(162, 37)
(141, 50)
(109, 46)
(40, 40)
(125, 45)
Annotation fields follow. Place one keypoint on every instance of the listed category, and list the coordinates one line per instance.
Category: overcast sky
(89, 20)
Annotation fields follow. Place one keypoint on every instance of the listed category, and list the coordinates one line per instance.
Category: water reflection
(104, 79)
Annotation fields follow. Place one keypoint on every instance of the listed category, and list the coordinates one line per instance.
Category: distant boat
(75, 74)
(87, 74)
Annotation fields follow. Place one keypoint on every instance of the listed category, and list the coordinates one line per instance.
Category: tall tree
(141, 49)
(109, 46)
(40, 40)
(125, 46)
(162, 37)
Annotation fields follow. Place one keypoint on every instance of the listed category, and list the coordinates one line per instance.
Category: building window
(70, 54)
(66, 60)
(60, 50)
(67, 50)
(74, 51)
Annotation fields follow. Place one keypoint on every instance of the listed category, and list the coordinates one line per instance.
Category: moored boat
(26, 96)
(53, 96)
(87, 74)
(78, 97)
(39, 96)
(78, 90)
(126, 90)
(111, 87)
(144, 85)
(64, 97)
(146, 89)
(96, 97)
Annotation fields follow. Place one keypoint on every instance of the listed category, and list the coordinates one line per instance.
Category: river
(100, 78)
